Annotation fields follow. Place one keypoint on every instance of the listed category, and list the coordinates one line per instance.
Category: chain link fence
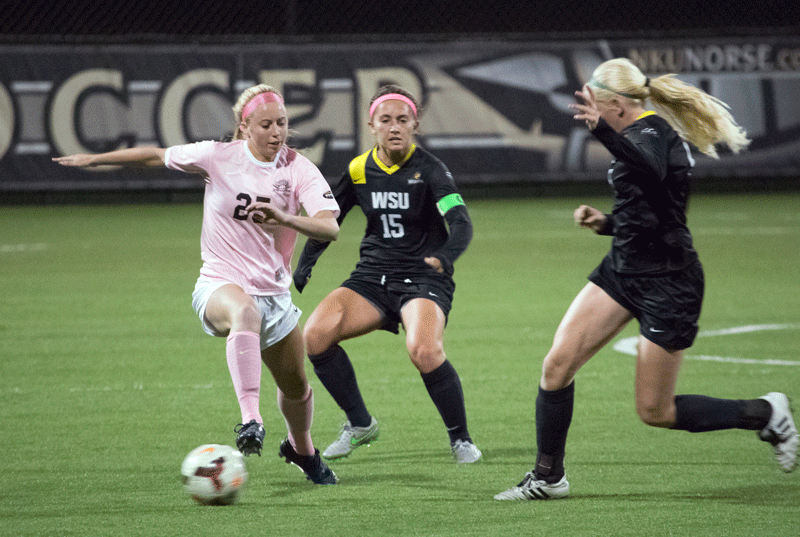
(45, 20)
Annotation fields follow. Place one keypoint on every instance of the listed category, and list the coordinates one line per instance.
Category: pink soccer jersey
(234, 248)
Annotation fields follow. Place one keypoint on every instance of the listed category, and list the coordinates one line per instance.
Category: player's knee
(317, 338)
(426, 356)
(655, 415)
(558, 370)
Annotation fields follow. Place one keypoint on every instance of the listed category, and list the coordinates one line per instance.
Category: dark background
(321, 20)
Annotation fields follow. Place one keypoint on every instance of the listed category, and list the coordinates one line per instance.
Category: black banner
(494, 111)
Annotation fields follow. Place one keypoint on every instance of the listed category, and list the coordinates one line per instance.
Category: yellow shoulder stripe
(358, 167)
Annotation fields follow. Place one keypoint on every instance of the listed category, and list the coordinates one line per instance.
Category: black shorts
(390, 292)
(667, 306)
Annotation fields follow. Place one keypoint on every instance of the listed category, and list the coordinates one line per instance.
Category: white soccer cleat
(781, 431)
(465, 452)
(532, 489)
(350, 438)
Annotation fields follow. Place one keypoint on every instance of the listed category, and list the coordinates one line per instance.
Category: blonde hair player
(652, 273)
(255, 189)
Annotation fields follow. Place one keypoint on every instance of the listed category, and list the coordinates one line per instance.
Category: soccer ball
(214, 474)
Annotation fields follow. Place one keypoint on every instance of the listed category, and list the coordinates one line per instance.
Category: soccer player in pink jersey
(255, 189)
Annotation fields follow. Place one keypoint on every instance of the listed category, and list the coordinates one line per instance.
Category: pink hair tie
(395, 97)
(258, 100)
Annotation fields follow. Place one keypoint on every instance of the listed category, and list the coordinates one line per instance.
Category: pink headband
(258, 100)
(392, 96)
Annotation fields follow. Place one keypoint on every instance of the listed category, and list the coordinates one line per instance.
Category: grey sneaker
(465, 452)
(532, 489)
(781, 431)
(350, 438)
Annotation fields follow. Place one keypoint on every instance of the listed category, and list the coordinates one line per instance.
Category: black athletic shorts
(390, 292)
(667, 306)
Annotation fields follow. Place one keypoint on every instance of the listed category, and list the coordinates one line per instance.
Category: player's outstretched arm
(134, 156)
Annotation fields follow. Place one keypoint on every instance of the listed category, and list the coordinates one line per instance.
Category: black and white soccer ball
(214, 474)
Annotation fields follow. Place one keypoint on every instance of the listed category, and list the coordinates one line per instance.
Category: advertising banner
(493, 111)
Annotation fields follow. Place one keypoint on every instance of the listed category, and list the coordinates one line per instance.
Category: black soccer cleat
(250, 437)
(315, 470)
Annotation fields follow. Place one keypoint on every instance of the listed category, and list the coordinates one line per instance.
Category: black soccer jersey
(650, 177)
(405, 206)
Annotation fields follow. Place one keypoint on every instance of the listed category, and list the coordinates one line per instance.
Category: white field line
(136, 386)
(17, 248)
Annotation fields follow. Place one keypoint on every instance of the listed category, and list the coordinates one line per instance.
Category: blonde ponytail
(699, 118)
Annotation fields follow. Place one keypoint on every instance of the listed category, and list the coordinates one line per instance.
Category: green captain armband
(448, 202)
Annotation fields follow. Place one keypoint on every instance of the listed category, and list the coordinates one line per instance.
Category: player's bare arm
(322, 226)
(134, 156)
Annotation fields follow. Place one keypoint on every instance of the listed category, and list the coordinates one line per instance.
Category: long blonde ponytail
(699, 118)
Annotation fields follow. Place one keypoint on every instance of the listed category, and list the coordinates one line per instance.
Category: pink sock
(298, 415)
(244, 362)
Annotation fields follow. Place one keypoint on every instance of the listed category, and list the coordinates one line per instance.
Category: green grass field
(107, 381)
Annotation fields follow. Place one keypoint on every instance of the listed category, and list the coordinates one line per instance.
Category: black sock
(756, 414)
(700, 413)
(444, 387)
(553, 418)
(336, 373)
